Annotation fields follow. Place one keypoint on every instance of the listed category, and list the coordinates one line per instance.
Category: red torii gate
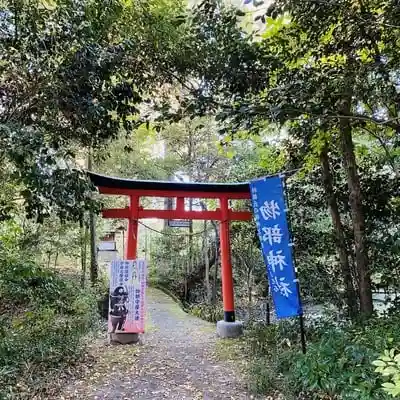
(135, 189)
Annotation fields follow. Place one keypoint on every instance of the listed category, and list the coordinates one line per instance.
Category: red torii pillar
(133, 225)
(226, 263)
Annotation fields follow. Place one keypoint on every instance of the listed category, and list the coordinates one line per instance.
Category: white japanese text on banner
(271, 219)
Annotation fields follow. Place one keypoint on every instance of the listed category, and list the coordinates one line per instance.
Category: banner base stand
(124, 338)
(229, 329)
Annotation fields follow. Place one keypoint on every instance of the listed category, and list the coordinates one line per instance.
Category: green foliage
(268, 348)
(338, 362)
(335, 366)
(37, 345)
(72, 77)
(323, 86)
(388, 365)
(208, 312)
(46, 318)
(23, 281)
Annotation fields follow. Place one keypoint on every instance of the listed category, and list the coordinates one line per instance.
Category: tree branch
(385, 148)
(390, 123)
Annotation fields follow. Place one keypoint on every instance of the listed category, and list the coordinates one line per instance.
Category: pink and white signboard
(127, 296)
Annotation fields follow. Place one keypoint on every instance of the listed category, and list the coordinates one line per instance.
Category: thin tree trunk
(350, 295)
(186, 292)
(214, 288)
(357, 214)
(57, 250)
(93, 253)
(185, 268)
(249, 289)
(92, 230)
(168, 202)
(212, 291)
(56, 259)
(83, 235)
(207, 264)
(217, 255)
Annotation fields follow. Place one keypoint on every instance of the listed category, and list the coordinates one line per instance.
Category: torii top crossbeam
(179, 190)
(224, 192)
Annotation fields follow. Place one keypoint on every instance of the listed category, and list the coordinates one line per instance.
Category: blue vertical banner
(270, 213)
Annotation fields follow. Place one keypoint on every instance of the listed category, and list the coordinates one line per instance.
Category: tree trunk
(207, 264)
(92, 228)
(350, 295)
(83, 235)
(357, 214)
(198, 274)
(56, 259)
(214, 288)
(57, 250)
(186, 283)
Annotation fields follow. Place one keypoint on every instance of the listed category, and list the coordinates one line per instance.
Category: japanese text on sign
(127, 296)
(270, 215)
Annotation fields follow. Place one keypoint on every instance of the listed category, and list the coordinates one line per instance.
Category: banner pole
(289, 222)
(302, 334)
(268, 306)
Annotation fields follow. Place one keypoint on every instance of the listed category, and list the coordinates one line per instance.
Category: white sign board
(178, 223)
(107, 246)
(107, 256)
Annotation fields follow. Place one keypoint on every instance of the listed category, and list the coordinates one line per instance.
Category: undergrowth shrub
(43, 329)
(208, 312)
(337, 365)
(102, 293)
(23, 282)
(268, 347)
(388, 365)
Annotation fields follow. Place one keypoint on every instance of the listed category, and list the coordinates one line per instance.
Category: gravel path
(176, 360)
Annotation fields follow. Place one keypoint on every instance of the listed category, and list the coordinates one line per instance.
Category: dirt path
(177, 360)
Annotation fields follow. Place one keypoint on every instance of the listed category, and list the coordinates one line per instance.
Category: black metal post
(268, 304)
(289, 221)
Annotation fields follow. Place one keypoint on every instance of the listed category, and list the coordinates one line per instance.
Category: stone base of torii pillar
(229, 329)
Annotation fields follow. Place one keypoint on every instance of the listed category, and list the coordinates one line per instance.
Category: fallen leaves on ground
(179, 358)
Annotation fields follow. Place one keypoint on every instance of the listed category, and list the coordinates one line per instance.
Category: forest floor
(179, 358)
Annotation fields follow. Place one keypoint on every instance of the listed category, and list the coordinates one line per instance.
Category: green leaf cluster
(388, 365)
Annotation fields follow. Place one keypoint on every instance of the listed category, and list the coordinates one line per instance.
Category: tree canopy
(72, 76)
